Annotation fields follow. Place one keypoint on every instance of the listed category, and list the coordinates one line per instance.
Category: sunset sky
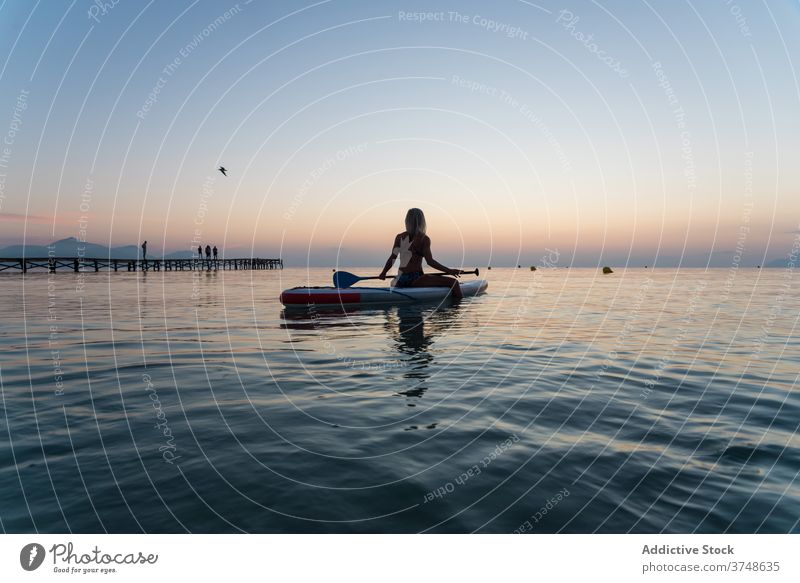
(600, 129)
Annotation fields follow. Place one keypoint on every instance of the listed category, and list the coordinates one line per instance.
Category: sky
(598, 132)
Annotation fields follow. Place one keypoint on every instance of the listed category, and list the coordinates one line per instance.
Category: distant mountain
(232, 252)
(71, 247)
(180, 255)
(359, 257)
(782, 262)
(14, 251)
(124, 252)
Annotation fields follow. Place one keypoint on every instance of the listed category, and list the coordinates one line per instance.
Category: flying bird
(223, 170)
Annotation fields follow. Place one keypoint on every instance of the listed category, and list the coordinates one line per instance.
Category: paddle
(343, 279)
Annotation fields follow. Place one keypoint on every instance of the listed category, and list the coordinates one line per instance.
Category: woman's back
(410, 251)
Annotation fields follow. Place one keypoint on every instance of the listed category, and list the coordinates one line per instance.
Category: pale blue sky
(334, 117)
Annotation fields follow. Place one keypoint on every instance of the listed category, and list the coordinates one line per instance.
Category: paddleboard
(351, 296)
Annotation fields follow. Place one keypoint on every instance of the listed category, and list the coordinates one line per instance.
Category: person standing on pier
(208, 255)
(144, 252)
(215, 253)
(199, 252)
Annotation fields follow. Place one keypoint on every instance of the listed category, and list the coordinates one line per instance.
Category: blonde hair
(415, 222)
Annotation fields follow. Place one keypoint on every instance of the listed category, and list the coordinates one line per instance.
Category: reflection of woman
(412, 246)
(414, 344)
(411, 338)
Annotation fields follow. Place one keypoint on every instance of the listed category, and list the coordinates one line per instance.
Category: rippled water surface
(560, 401)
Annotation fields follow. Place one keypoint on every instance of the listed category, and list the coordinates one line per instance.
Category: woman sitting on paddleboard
(412, 246)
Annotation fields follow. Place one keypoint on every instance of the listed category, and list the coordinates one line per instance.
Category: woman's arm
(392, 257)
(432, 262)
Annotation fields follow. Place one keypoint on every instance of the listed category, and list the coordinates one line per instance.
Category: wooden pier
(84, 264)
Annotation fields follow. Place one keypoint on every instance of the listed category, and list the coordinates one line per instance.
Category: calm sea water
(561, 401)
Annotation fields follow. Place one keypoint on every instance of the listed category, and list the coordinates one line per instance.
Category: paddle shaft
(460, 272)
(345, 279)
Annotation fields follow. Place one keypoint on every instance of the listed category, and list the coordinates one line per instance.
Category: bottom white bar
(356, 558)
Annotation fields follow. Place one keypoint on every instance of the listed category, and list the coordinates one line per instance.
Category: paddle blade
(342, 279)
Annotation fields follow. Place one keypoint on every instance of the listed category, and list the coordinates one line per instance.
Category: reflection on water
(413, 342)
(411, 328)
(661, 401)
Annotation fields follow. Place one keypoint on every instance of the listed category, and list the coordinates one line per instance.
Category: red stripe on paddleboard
(305, 298)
